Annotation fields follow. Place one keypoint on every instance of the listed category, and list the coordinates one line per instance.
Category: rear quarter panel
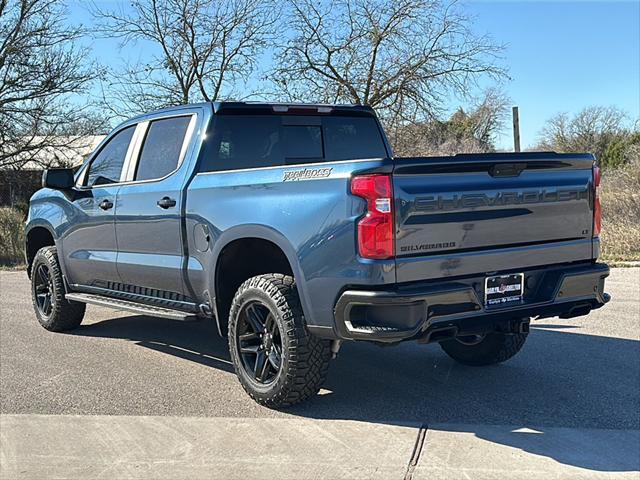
(311, 220)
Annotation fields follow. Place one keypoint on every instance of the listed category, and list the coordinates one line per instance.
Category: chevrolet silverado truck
(294, 228)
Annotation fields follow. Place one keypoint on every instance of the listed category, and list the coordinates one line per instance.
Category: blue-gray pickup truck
(294, 228)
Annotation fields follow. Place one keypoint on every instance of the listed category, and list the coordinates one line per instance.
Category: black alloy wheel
(278, 362)
(259, 343)
(43, 286)
(53, 311)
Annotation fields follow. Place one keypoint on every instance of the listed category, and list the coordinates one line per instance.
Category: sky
(564, 56)
(561, 56)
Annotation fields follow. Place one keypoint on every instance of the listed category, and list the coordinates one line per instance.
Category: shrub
(620, 197)
(603, 131)
(11, 237)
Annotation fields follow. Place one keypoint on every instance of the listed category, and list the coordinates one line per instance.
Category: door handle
(166, 202)
(106, 204)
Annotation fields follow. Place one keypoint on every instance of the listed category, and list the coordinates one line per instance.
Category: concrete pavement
(490, 452)
(126, 396)
(114, 447)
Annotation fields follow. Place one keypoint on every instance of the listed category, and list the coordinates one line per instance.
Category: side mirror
(58, 178)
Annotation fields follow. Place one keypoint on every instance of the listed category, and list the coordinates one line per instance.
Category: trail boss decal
(306, 174)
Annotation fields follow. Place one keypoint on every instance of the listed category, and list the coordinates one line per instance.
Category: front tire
(278, 362)
(53, 311)
(492, 348)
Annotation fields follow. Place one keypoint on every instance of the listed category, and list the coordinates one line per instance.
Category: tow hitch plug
(519, 326)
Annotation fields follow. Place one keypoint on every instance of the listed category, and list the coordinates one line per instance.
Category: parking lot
(128, 396)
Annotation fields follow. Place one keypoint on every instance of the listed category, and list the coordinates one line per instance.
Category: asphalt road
(577, 375)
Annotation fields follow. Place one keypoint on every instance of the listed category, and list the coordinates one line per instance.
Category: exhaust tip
(577, 311)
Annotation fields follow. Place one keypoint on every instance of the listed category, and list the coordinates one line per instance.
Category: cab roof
(279, 108)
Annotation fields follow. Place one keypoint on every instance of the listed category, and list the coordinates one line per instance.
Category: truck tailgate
(450, 208)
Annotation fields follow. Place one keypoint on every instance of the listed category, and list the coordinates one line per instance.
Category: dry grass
(620, 197)
(11, 237)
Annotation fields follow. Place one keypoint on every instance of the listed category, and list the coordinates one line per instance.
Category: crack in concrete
(417, 451)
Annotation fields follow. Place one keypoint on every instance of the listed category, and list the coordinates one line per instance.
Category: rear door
(89, 245)
(148, 219)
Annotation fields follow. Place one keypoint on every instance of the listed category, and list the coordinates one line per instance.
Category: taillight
(597, 210)
(375, 229)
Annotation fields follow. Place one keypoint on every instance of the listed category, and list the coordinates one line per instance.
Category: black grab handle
(166, 202)
(106, 204)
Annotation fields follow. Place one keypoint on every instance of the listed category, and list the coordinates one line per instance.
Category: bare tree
(604, 131)
(472, 131)
(203, 48)
(489, 116)
(403, 57)
(41, 72)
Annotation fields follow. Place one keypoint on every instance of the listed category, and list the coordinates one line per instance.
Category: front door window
(106, 166)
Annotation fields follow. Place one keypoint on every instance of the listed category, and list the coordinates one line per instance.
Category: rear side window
(161, 149)
(302, 142)
(347, 138)
(243, 142)
(106, 167)
(253, 141)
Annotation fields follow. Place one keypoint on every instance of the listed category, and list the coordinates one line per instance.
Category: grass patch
(14, 268)
(11, 237)
(620, 197)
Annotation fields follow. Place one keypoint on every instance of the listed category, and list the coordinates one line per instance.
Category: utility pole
(516, 129)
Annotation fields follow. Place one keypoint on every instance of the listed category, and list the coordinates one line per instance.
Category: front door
(148, 218)
(89, 245)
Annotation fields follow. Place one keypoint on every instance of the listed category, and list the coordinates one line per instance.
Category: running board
(118, 304)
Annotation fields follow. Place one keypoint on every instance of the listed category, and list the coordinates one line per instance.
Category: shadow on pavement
(559, 379)
(599, 450)
(195, 341)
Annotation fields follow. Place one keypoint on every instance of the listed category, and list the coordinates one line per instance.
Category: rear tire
(494, 348)
(53, 311)
(278, 362)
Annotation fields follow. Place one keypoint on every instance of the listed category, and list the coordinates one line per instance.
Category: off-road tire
(305, 358)
(64, 315)
(495, 348)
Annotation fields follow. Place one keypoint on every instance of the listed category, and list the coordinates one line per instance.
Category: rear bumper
(421, 310)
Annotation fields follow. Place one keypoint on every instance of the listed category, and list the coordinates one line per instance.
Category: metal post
(516, 130)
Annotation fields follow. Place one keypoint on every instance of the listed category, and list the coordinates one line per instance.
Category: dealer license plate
(503, 289)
